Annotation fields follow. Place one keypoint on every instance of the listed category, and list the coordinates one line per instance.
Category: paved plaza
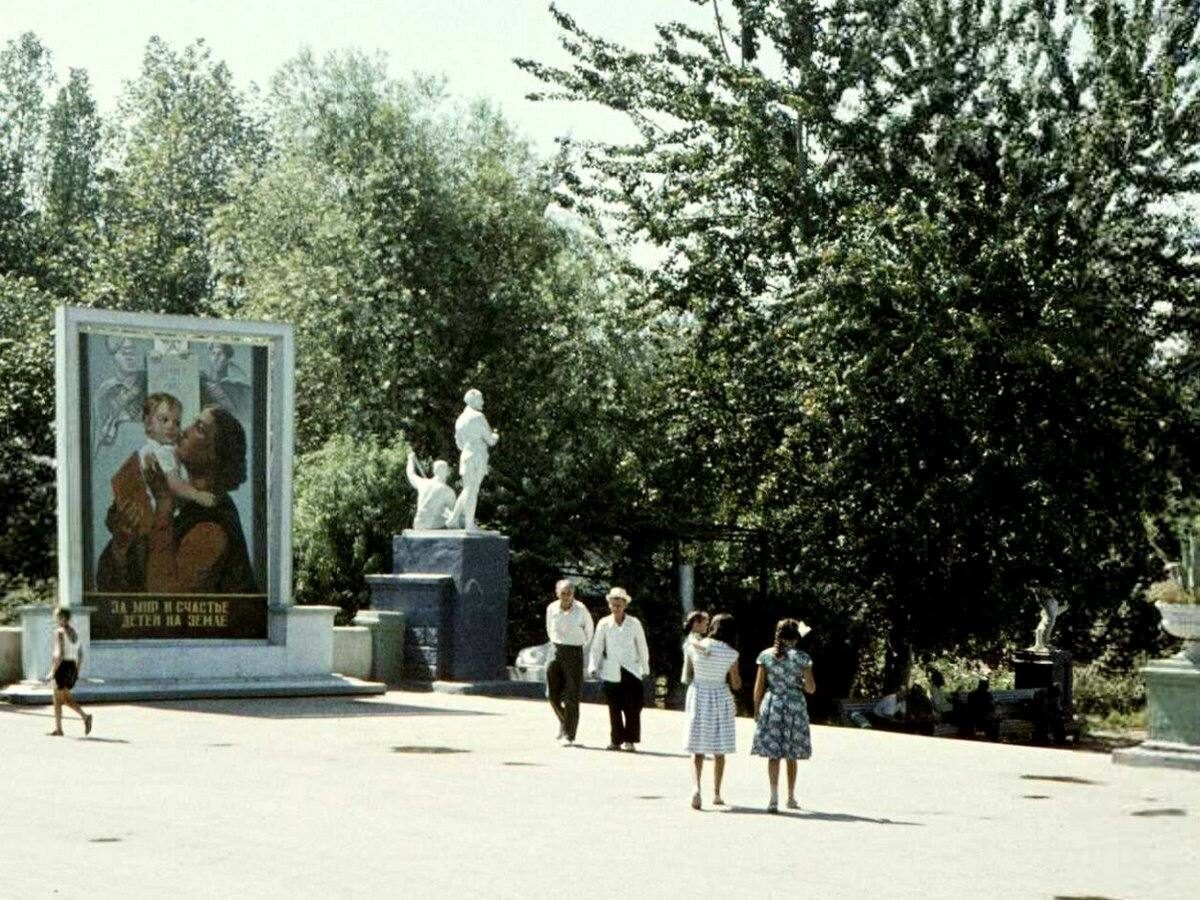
(438, 795)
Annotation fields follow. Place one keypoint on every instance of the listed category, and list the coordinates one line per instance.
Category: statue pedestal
(1043, 669)
(1172, 717)
(387, 643)
(452, 587)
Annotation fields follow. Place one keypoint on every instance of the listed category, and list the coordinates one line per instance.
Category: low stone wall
(352, 651)
(10, 654)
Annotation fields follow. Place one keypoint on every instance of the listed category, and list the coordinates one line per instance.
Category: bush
(18, 592)
(1107, 693)
(963, 674)
(350, 498)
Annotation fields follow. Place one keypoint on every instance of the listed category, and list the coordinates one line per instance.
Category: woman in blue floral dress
(780, 712)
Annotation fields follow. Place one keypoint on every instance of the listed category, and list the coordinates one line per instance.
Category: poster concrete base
(295, 661)
(85, 692)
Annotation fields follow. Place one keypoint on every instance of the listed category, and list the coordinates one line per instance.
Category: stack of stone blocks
(451, 590)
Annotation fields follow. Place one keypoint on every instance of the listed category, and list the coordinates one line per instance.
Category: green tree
(26, 429)
(347, 509)
(181, 133)
(928, 251)
(25, 75)
(408, 240)
(26, 344)
(72, 195)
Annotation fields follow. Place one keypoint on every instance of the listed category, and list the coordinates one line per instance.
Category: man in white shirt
(569, 627)
(620, 654)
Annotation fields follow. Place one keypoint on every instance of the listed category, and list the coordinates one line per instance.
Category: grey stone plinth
(1043, 669)
(388, 635)
(1172, 717)
(1173, 701)
(1160, 754)
(474, 626)
(425, 603)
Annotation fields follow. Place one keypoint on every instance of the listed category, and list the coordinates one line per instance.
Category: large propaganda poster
(173, 483)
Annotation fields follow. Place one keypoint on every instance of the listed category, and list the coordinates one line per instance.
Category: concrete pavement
(439, 795)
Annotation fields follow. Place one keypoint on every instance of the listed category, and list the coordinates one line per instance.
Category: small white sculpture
(435, 498)
(532, 661)
(473, 436)
(1051, 610)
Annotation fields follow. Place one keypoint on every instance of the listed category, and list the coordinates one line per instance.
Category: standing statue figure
(473, 436)
(435, 498)
(1051, 610)
(119, 398)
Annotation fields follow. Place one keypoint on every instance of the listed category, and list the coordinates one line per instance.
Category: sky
(470, 42)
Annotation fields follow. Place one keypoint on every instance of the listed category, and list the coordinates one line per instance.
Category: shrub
(963, 674)
(350, 498)
(1101, 691)
(18, 592)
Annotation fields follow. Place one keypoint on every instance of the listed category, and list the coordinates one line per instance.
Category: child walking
(781, 728)
(64, 669)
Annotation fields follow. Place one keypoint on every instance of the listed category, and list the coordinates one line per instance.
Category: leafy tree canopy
(928, 252)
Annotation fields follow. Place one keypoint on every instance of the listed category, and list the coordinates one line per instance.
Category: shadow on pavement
(305, 708)
(815, 815)
(43, 711)
(638, 753)
(1060, 779)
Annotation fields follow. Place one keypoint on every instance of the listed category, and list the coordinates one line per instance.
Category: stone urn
(1172, 697)
(1182, 620)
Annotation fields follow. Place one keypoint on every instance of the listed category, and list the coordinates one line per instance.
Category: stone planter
(1182, 620)
(1172, 697)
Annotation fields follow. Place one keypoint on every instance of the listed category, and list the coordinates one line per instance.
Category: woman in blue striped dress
(710, 710)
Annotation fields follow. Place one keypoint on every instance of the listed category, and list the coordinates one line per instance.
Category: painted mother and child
(174, 528)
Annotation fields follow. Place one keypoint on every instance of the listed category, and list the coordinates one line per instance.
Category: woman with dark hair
(64, 670)
(781, 728)
(695, 627)
(712, 666)
(190, 548)
(193, 548)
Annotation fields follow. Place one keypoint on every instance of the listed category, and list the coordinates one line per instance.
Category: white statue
(473, 436)
(435, 498)
(1051, 610)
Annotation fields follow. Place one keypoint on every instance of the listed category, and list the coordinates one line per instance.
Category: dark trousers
(564, 680)
(624, 709)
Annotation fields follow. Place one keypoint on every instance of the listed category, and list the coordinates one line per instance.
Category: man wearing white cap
(620, 654)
